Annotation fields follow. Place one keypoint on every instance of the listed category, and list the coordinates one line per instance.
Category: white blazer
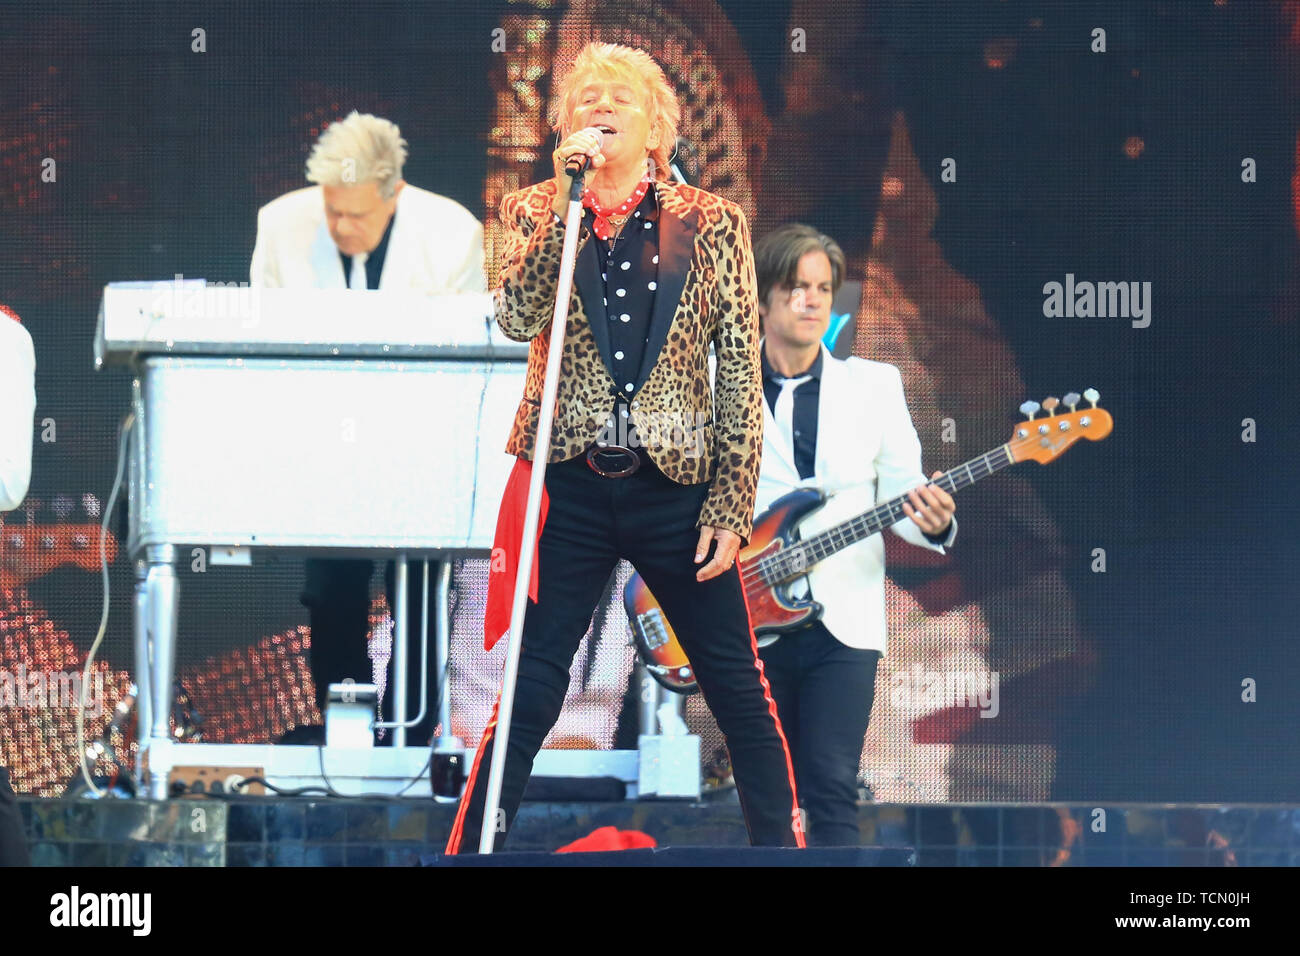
(17, 411)
(436, 246)
(867, 453)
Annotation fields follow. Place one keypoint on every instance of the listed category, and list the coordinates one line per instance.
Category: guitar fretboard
(795, 561)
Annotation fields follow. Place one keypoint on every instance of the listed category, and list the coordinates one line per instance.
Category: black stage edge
(691, 856)
(343, 832)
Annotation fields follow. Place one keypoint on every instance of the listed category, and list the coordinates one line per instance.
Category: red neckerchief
(603, 229)
(5, 310)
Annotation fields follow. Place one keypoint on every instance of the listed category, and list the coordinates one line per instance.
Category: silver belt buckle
(617, 468)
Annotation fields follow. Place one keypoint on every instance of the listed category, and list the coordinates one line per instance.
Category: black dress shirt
(804, 423)
(629, 270)
(375, 261)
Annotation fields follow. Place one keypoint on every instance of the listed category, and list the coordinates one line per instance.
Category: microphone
(576, 166)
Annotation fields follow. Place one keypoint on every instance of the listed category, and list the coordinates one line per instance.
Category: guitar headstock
(43, 536)
(1043, 439)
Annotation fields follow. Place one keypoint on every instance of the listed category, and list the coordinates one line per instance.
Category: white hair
(360, 149)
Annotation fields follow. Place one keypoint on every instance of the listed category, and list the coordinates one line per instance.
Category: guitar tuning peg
(1050, 403)
(1030, 409)
(1091, 394)
(1071, 399)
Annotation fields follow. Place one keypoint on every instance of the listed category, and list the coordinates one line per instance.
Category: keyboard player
(361, 226)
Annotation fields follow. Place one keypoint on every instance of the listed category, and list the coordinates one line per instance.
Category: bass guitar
(777, 555)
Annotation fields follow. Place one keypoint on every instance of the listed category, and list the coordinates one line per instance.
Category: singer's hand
(585, 142)
(724, 556)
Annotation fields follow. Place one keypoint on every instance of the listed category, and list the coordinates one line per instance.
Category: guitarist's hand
(931, 508)
(723, 558)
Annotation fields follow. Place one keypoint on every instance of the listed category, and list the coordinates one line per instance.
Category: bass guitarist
(841, 426)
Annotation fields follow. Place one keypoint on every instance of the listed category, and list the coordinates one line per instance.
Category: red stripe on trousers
(771, 709)
(457, 828)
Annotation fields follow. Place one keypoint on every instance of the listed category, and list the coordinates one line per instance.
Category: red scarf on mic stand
(506, 549)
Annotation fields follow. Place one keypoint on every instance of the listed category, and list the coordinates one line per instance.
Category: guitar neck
(825, 543)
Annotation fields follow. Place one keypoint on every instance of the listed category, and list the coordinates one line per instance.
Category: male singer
(17, 410)
(840, 425)
(363, 227)
(663, 270)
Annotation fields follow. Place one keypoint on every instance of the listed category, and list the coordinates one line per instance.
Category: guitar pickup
(652, 629)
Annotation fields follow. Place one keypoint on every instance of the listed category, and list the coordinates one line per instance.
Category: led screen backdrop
(1117, 625)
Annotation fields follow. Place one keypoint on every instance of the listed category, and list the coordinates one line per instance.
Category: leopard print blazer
(693, 432)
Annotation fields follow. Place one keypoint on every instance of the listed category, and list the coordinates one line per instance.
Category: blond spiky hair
(360, 149)
(641, 71)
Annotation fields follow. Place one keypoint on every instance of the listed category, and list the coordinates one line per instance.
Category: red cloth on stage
(610, 838)
(505, 552)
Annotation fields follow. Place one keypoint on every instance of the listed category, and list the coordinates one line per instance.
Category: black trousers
(13, 842)
(648, 519)
(337, 596)
(824, 692)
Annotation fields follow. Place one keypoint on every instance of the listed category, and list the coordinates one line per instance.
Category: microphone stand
(541, 451)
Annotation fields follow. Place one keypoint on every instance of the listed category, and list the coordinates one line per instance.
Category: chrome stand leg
(398, 690)
(648, 691)
(447, 769)
(442, 640)
(143, 662)
(163, 595)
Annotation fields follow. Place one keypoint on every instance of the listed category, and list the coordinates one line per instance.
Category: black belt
(616, 461)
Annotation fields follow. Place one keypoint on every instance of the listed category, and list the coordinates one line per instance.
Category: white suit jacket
(867, 453)
(17, 409)
(436, 246)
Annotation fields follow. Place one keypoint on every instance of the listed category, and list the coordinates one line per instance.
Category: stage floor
(322, 831)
